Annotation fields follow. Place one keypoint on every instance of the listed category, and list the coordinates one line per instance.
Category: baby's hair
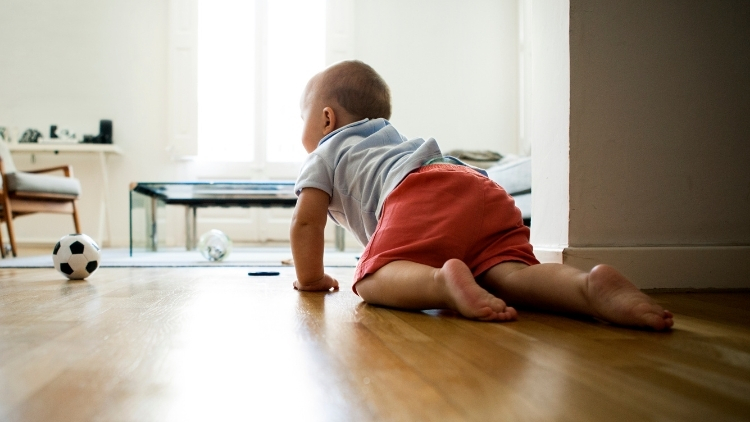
(358, 89)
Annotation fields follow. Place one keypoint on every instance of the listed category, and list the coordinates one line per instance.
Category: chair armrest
(66, 169)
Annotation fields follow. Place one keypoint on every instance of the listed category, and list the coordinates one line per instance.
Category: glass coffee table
(193, 195)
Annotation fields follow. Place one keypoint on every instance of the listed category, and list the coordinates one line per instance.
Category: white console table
(102, 150)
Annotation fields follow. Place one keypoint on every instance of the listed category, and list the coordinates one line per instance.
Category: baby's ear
(330, 120)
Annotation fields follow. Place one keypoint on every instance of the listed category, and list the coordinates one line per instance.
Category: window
(254, 59)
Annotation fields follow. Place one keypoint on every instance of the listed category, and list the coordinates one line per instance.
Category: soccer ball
(76, 256)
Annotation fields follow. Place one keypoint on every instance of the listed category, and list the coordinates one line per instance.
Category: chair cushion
(42, 183)
(8, 165)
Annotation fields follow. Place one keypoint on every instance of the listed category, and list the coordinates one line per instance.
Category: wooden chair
(34, 191)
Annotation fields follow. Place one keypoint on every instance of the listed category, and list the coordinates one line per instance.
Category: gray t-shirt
(358, 165)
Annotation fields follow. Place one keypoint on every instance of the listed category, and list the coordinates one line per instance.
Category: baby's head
(341, 94)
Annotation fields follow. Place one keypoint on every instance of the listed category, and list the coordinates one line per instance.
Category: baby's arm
(308, 225)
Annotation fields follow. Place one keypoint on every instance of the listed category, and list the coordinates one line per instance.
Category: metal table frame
(194, 195)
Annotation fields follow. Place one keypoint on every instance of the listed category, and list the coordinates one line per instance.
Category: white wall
(451, 66)
(72, 63)
(547, 124)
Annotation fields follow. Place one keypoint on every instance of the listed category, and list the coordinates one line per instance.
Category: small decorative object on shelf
(30, 135)
(59, 136)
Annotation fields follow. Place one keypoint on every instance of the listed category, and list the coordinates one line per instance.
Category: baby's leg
(603, 293)
(409, 285)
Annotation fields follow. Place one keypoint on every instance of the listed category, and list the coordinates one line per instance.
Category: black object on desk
(105, 131)
(104, 136)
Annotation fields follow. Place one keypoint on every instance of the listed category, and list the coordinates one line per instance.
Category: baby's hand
(326, 283)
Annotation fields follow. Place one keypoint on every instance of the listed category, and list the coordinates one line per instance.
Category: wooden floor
(214, 344)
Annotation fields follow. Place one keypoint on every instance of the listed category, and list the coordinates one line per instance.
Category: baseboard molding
(670, 267)
(547, 255)
(33, 241)
(648, 267)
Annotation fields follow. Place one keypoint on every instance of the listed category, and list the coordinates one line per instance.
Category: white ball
(76, 256)
(214, 245)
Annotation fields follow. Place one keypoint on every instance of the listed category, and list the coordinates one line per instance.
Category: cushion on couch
(514, 175)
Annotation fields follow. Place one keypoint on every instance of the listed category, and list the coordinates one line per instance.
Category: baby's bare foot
(619, 301)
(468, 298)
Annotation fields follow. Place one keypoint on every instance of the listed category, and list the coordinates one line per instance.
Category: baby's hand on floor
(326, 283)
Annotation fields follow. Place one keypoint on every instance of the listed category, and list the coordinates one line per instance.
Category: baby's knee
(364, 288)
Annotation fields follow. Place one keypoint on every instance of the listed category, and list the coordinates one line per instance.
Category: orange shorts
(445, 211)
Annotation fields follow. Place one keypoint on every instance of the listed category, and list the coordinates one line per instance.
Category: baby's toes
(509, 314)
(658, 321)
(484, 314)
(497, 304)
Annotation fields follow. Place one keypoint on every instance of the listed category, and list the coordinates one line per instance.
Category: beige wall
(660, 139)
(660, 123)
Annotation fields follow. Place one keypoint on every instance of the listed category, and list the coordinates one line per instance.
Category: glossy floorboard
(153, 344)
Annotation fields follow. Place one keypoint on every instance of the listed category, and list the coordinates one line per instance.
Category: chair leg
(2, 247)
(75, 217)
(9, 222)
(8, 214)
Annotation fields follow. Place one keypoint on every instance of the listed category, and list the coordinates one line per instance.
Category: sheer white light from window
(226, 80)
(227, 113)
(296, 51)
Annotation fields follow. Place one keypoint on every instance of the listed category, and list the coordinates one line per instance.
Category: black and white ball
(76, 256)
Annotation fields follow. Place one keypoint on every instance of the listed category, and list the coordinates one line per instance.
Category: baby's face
(312, 112)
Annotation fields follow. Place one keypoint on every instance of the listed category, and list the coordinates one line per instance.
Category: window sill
(245, 170)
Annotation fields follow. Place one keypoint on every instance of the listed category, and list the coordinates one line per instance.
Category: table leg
(104, 212)
(188, 232)
(190, 224)
(193, 229)
(154, 236)
(340, 238)
(130, 219)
